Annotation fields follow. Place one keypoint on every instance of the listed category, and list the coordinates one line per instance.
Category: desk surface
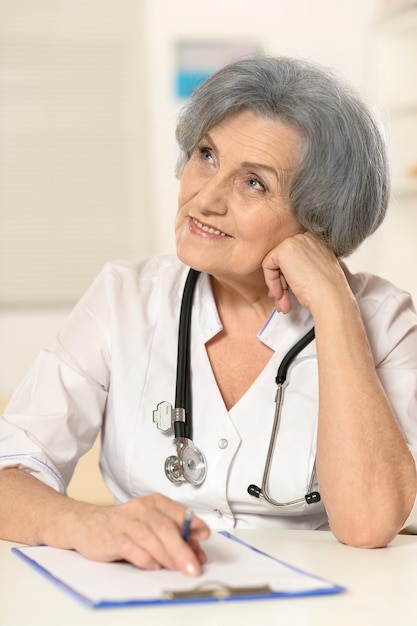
(381, 589)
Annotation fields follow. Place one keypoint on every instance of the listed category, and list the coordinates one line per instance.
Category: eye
(205, 153)
(256, 183)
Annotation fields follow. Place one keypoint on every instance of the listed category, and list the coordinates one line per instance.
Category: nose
(212, 197)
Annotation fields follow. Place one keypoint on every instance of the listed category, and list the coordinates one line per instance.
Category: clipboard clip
(218, 591)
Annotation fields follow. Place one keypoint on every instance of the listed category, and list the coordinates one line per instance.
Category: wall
(337, 34)
(74, 166)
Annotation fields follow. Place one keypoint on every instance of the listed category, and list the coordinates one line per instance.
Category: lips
(208, 229)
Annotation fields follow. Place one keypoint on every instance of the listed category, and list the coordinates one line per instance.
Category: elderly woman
(283, 173)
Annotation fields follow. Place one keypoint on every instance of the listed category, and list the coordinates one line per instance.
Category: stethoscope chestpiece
(194, 464)
(189, 465)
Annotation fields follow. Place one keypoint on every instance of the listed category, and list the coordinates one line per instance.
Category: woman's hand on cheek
(305, 265)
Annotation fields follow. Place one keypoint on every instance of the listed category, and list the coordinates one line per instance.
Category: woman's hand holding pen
(144, 531)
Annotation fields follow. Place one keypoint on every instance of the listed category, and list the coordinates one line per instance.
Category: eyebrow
(279, 172)
(263, 166)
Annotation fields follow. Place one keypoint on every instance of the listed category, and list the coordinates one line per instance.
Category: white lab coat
(115, 360)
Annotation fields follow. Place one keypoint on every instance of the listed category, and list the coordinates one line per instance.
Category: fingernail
(190, 569)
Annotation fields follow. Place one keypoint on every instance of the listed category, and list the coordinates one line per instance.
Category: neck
(242, 296)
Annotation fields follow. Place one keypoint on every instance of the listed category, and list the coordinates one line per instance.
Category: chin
(196, 261)
(190, 255)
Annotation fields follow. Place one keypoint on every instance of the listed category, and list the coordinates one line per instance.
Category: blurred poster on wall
(197, 60)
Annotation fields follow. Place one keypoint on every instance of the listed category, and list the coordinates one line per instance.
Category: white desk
(382, 590)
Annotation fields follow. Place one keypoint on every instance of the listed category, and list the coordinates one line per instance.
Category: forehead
(257, 135)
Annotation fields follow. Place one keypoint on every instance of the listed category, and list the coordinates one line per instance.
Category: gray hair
(340, 188)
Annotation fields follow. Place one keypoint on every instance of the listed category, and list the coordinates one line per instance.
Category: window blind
(74, 189)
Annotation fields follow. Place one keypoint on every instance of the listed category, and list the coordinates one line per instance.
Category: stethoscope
(189, 464)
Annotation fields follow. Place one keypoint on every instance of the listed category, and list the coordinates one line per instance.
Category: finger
(160, 538)
(199, 530)
(278, 289)
(199, 552)
(283, 304)
(133, 553)
(273, 281)
(143, 558)
(284, 283)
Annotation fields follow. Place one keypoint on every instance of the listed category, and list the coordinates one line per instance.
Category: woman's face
(233, 201)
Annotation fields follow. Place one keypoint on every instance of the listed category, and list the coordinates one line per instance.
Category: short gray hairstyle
(340, 189)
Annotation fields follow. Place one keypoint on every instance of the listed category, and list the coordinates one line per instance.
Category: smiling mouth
(208, 229)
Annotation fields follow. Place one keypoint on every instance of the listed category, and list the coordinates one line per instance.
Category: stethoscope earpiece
(311, 498)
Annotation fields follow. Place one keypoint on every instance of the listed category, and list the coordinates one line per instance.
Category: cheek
(275, 230)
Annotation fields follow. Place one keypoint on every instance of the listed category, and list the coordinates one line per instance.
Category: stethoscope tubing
(183, 383)
(275, 428)
(175, 467)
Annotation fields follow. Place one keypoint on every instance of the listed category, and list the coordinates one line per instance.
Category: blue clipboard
(236, 571)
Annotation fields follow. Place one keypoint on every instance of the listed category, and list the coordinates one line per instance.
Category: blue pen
(185, 528)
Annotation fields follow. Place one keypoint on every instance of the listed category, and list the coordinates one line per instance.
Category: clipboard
(235, 571)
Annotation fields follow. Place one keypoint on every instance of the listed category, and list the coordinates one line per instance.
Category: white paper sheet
(231, 563)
